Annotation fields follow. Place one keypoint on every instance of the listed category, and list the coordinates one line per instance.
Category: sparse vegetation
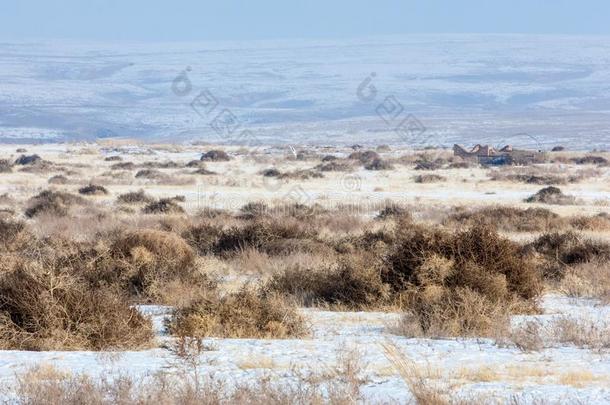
(93, 189)
(551, 195)
(215, 156)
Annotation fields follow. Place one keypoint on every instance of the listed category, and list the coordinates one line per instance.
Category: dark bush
(271, 172)
(551, 195)
(123, 166)
(27, 160)
(378, 164)
(135, 197)
(93, 189)
(215, 156)
(53, 203)
(364, 157)
(113, 159)
(163, 206)
(5, 166)
(428, 178)
(591, 160)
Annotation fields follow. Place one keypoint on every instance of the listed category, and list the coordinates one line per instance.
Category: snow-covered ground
(557, 374)
(534, 91)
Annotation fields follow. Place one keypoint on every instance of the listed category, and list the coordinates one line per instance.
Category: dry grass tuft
(215, 156)
(248, 313)
(508, 219)
(135, 197)
(93, 189)
(551, 195)
(55, 203)
(163, 206)
(428, 178)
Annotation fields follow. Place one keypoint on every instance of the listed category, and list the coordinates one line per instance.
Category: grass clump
(561, 250)
(163, 206)
(215, 156)
(509, 219)
(551, 195)
(93, 189)
(135, 197)
(248, 313)
(6, 166)
(378, 164)
(58, 179)
(428, 178)
(49, 202)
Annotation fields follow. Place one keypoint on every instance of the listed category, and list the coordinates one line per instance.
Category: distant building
(487, 155)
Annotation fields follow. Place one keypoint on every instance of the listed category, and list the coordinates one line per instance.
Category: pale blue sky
(196, 20)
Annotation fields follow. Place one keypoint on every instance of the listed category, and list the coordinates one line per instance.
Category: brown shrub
(599, 222)
(123, 166)
(254, 210)
(364, 157)
(14, 235)
(591, 160)
(479, 259)
(551, 195)
(59, 179)
(428, 178)
(393, 211)
(202, 237)
(561, 250)
(508, 219)
(135, 197)
(144, 261)
(168, 164)
(215, 156)
(150, 174)
(335, 166)
(459, 283)
(587, 280)
(378, 164)
(6, 166)
(44, 306)
(261, 234)
(354, 283)
(115, 158)
(203, 171)
(248, 313)
(93, 189)
(163, 206)
(52, 203)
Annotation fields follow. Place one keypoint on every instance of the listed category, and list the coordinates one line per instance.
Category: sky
(201, 20)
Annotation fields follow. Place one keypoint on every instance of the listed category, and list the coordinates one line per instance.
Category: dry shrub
(123, 166)
(93, 189)
(196, 163)
(271, 172)
(6, 166)
(508, 219)
(591, 160)
(215, 156)
(301, 175)
(392, 210)
(378, 164)
(353, 283)
(204, 172)
(46, 305)
(262, 235)
(45, 385)
(55, 203)
(114, 158)
(163, 206)
(58, 179)
(561, 250)
(248, 313)
(202, 237)
(581, 333)
(551, 195)
(254, 210)
(335, 166)
(428, 178)
(135, 197)
(144, 261)
(364, 157)
(461, 282)
(14, 236)
(168, 164)
(599, 222)
(587, 280)
(440, 312)
(150, 174)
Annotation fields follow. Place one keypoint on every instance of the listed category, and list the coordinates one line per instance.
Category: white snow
(531, 376)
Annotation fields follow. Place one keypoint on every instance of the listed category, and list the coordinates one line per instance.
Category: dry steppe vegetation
(74, 268)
